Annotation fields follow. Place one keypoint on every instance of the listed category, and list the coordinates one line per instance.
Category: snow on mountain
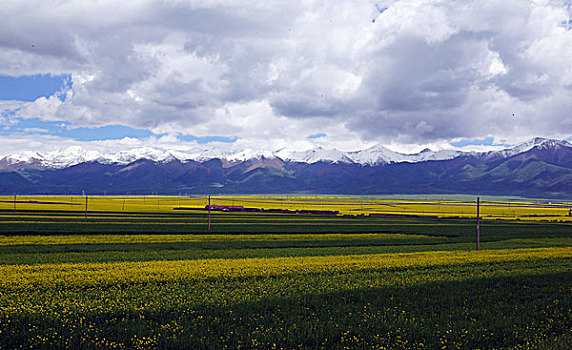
(249, 154)
(315, 155)
(428, 154)
(376, 155)
(201, 155)
(283, 153)
(59, 158)
(538, 143)
(153, 154)
(379, 154)
(27, 157)
(62, 158)
(69, 156)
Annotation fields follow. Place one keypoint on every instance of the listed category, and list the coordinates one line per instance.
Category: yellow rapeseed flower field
(15, 277)
(145, 273)
(345, 205)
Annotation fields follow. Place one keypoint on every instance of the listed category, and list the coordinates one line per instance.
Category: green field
(159, 280)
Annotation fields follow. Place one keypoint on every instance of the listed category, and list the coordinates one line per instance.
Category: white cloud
(272, 72)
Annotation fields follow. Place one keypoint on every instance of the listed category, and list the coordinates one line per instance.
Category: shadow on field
(501, 312)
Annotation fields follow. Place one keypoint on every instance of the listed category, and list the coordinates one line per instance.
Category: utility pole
(85, 208)
(478, 222)
(14, 203)
(209, 226)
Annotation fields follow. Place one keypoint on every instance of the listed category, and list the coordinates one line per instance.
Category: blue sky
(317, 135)
(63, 129)
(31, 87)
(107, 132)
(267, 75)
(487, 141)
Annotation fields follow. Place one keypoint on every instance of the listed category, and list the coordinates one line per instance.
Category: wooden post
(478, 222)
(209, 226)
(85, 208)
(14, 203)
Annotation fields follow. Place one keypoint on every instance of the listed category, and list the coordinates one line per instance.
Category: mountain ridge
(375, 155)
(541, 167)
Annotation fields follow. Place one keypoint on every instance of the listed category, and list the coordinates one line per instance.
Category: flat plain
(136, 273)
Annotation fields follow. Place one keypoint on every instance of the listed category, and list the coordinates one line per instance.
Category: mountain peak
(535, 143)
(315, 155)
(539, 142)
(544, 141)
(372, 156)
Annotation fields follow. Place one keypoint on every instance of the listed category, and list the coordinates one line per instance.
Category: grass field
(143, 278)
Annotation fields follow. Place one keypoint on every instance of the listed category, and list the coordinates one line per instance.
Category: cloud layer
(274, 73)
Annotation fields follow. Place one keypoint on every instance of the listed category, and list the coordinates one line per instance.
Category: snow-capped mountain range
(376, 155)
(540, 167)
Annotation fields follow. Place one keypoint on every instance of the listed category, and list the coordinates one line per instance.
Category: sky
(408, 74)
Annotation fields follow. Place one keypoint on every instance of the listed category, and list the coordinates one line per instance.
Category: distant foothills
(538, 168)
